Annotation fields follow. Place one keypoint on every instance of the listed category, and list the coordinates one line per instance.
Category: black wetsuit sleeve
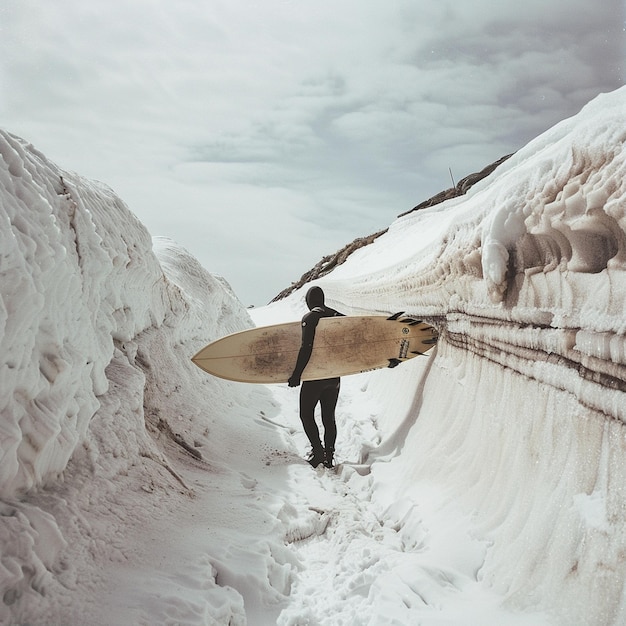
(309, 324)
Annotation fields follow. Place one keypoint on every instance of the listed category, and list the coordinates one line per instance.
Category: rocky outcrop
(460, 188)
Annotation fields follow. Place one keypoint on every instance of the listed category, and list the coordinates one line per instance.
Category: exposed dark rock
(328, 263)
(460, 188)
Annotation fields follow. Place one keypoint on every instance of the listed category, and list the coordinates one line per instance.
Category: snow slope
(99, 399)
(521, 416)
(481, 485)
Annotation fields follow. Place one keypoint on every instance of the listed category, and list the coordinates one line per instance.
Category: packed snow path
(364, 562)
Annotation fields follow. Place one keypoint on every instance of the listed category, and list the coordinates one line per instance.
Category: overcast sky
(263, 135)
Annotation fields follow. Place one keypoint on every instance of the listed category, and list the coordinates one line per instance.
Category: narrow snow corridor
(483, 484)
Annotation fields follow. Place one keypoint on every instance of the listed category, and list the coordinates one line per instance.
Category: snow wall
(97, 390)
(520, 413)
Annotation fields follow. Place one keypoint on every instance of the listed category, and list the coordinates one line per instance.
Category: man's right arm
(309, 323)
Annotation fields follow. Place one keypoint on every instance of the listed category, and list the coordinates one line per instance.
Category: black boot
(316, 457)
(328, 458)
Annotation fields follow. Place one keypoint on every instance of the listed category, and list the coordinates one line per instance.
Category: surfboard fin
(411, 321)
(394, 362)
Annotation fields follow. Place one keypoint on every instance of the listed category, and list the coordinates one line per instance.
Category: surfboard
(343, 346)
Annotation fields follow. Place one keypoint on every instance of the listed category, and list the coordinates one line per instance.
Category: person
(325, 392)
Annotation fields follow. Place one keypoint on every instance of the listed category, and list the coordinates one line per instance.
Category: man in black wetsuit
(326, 392)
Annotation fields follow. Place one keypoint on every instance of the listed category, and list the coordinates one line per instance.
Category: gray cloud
(265, 135)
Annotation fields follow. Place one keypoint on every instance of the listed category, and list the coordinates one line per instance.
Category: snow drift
(97, 393)
(136, 489)
(521, 416)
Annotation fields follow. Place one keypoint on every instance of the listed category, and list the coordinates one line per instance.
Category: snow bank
(520, 417)
(75, 267)
(100, 401)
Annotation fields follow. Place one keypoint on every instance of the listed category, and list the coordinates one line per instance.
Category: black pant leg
(328, 401)
(309, 397)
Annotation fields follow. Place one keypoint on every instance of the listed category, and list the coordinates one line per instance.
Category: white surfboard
(343, 346)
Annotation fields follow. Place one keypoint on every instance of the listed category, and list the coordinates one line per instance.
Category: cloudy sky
(263, 135)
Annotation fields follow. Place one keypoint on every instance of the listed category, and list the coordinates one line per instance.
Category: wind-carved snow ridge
(530, 264)
(72, 287)
(522, 417)
(99, 402)
(59, 312)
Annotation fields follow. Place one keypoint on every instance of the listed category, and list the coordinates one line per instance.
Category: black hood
(314, 297)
